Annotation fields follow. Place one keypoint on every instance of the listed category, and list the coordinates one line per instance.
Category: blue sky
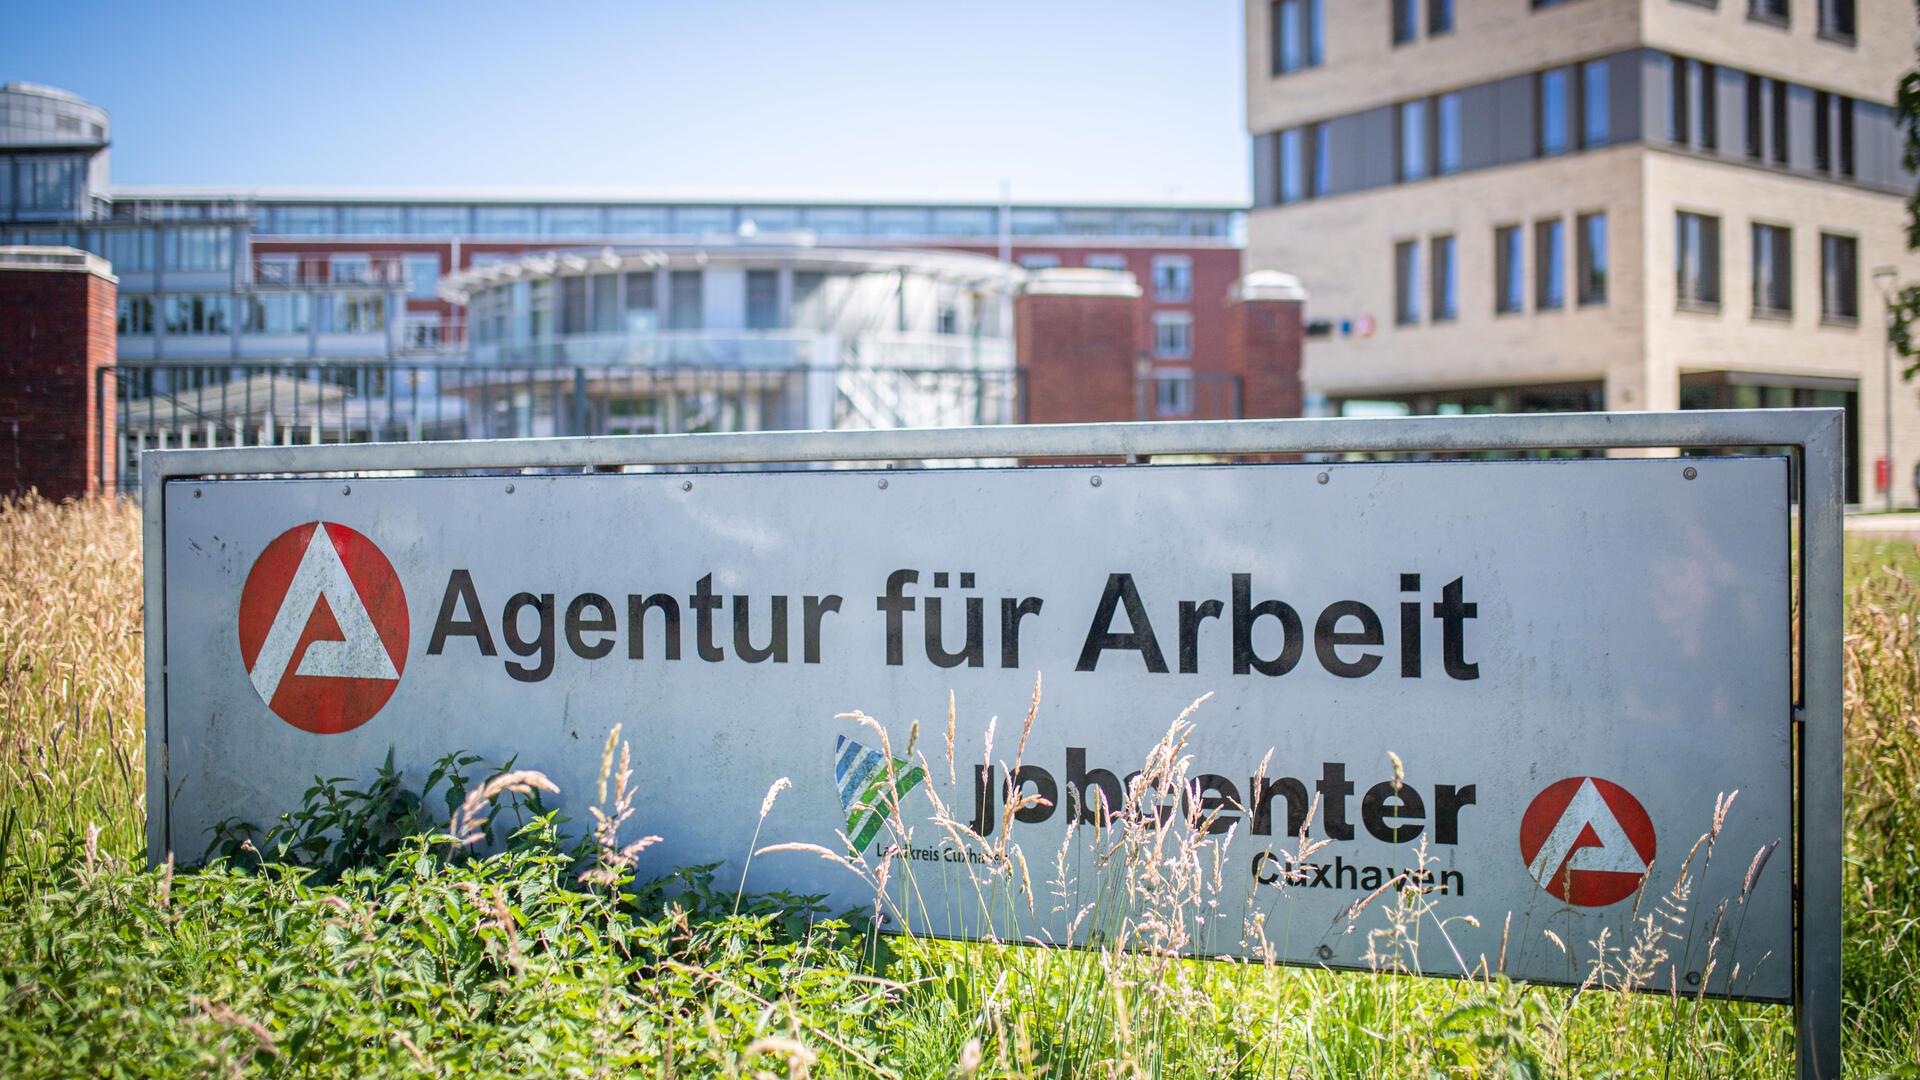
(1060, 97)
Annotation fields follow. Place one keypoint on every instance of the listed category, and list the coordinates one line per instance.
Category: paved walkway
(1884, 525)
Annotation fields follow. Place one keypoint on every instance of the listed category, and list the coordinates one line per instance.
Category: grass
(367, 939)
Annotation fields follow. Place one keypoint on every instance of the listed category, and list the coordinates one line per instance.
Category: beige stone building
(1520, 205)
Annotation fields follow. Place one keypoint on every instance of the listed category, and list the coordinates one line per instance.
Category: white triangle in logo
(359, 655)
(1614, 854)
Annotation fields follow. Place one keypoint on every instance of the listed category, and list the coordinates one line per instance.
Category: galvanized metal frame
(1816, 434)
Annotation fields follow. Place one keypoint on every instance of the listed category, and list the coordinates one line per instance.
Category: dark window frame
(1706, 293)
(1591, 277)
(1509, 269)
(1759, 11)
(1406, 282)
(1438, 284)
(1549, 267)
(1771, 246)
(1832, 313)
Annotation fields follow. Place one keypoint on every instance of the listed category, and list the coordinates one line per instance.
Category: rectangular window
(370, 220)
(1406, 282)
(129, 250)
(1172, 278)
(1412, 143)
(1679, 102)
(1446, 134)
(1551, 96)
(1289, 37)
(197, 249)
(1779, 132)
(1172, 335)
(1836, 19)
(1509, 270)
(423, 276)
(304, 221)
(1106, 261)
(1293, 166)
(1595, 116)
(966, 222)
(605, 304)
(573, 305)
(1039, 262)
(363, 313)
(1707, 114)
(437, 220)
(1822, 131)
(1839, 278)
(763, 299)
(684, 299)
(282, 313)
(1845, 149)
(48, 183)
(1549, 265)
(197, 315)
(572, 221)
(1322, 166)
(1439, 17)
(1756, 117)
(1173, 393)
(1406, 18)
(904, 221)
(1446, 279)
(1768, 10)
(1772, 270)
(640, 312)
(504, 221)
(355, 269)
(134, 314)
(1593, 259)
(1316, 32)
(6, 183)
(1696, 259)
(637, 221)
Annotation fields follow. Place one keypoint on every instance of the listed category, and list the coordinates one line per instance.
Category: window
(1696, 259)
(423, 276)
(1172, 278)
(1446, 134)
(1779, 122)
(1406, 282)
(48, 183)
(1412, 142)
(1551, 95)
(1446, 280)
(198, 315)
(1173, 393)
(702, 220)
(1172, 335)
(277, 313)
(1509, 269)
(129, 250)
(134, 314)
(1756, 117)
(684, 311)
(1106, 261)
(1322, 168)
(357, 269)
(366, 313)
(1549, 265)
(1293, 167)
(605, 303)
(900, 221)
(1595, 117)
(1299, 29)
(1439, 17)
(1679, 102)
(304, 221)
(1846, 136)
(1406, 25)
(763, 299)
(963, 223)
(640, 316)
(1836, 19)
(6, 183)
(1839, 278)
(1707, 105)
(1772, 270)
(1822, 131)
(370, 220)
(437, 220)
(572, 221)
(852, 221)
(1039, 262)
(573, 305)
(504, 220)
(1774, 11)
(197, 249)
(637, 221)
(1592, 259)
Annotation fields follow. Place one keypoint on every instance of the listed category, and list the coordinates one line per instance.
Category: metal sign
(1556, 696)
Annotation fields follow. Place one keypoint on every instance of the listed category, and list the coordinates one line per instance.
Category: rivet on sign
(1324, 952)
(1094, 481)
(883, 485)
(346, 489)
(196, 493)
(1322, 478)
(686, 485)
(1693, 978)
(1690, 472)
(509, 489)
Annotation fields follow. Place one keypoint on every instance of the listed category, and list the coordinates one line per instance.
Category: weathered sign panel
(1527, 687)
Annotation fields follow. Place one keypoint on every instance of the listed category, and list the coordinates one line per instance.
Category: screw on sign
(1587, 841)
(323, 627)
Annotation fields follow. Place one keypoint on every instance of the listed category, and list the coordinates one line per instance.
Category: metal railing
(162, 405)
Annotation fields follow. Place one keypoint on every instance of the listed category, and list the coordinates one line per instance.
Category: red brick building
(56, 333)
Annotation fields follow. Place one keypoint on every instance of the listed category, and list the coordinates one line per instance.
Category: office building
(1519, 205)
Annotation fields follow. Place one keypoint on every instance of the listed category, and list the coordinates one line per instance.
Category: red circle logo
(1587, 841)
(323, 627)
